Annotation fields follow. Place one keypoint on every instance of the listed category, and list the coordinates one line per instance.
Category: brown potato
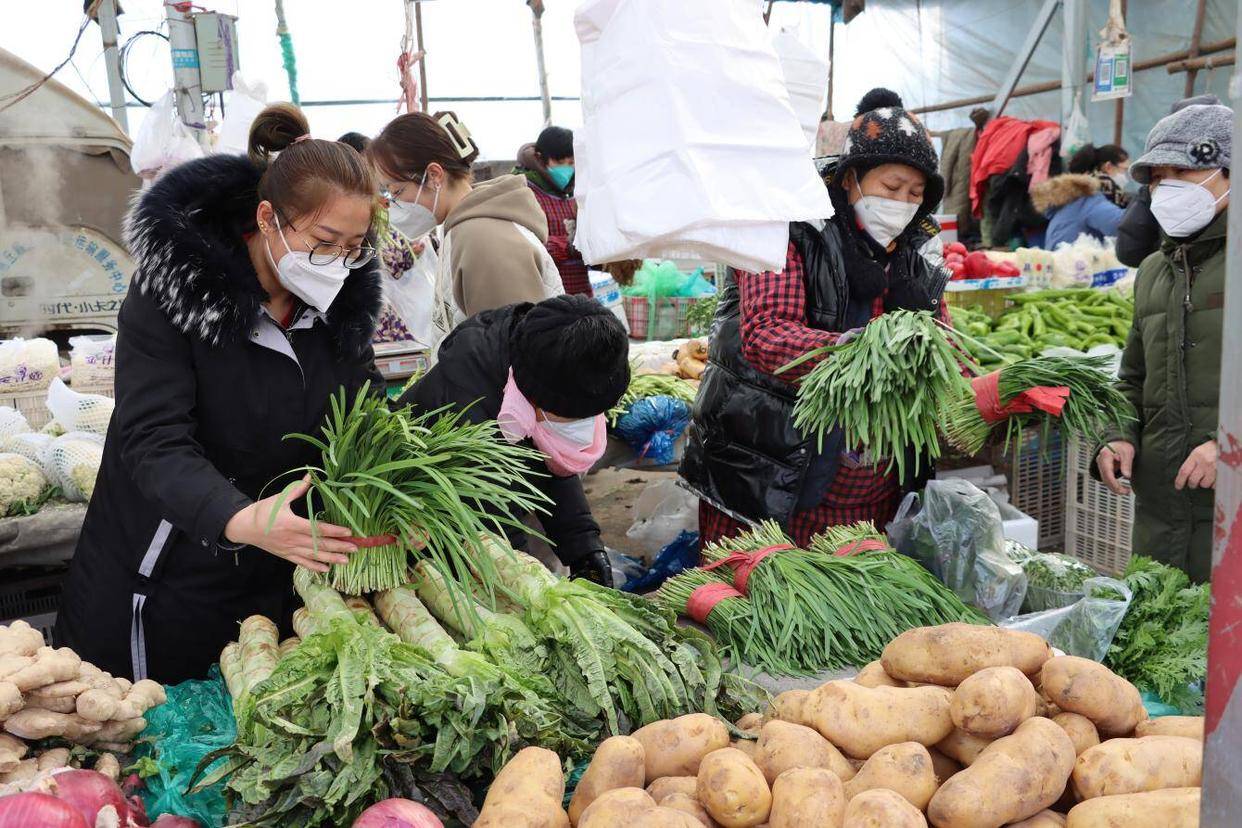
(905, 768)
(807, 797)
(1044, 819)
(1080, 729)
(873, 675)
(787, 706)
(950, 653)
(943, 765)
(688, 805)
(1125, 766)
(618, 763)
(748, 746)
(620, 806)
(674, 747)
(667, 785)
(784, 745)
(1169, 808)
(993, 702)
(527, 793)
(733, 789)
(752, 723)
(1080, 685)
(1189, 726)
(861, 720)
(880, 808)
(662, 817)
(1016, 777)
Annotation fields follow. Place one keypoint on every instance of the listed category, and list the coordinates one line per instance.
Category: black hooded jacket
(470, 373)
(206, 388)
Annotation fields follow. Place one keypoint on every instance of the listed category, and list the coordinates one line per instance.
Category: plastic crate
(1098, 522)
(33, 598)
(990, 294)
(32, 405)
(669, 320)
(1036, 475)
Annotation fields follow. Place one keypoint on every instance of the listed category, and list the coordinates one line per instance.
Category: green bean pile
(885, 388)
(1094, 405)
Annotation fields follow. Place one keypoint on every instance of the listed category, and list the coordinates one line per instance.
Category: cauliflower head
(20, 480)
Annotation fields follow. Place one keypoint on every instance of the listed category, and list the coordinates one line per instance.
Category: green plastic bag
(196, 719)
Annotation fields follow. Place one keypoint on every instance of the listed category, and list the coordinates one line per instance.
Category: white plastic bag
(28, 364)
(806, 78)
(79, 412)
(662, 512)
(690, 147)
(412, 297)
(163, 141)
(92, 361)
(245, 102)
(12, 423)
(1086, 627)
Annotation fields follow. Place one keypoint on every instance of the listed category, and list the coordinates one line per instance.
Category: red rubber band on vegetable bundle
(744, 563)
(705, 598)
(375, 540)
(863, 545)
(1048, 398)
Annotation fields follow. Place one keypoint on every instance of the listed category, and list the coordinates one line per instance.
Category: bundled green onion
(430, 484)
(1093, 405)
(884, 388)
(651, 385)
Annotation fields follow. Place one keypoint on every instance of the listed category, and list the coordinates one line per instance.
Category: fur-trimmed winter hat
(570, 357)
(884, 133)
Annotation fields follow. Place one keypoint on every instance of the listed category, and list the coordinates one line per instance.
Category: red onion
(172, 821)
(91, 792)
(24, 810)
(397, 813)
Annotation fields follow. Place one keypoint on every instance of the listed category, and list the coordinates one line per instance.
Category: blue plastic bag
(652, 427)
(678, 556)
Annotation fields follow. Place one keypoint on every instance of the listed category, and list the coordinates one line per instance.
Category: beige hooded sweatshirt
(493, 254)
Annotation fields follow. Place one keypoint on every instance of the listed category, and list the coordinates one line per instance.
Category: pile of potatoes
(48, 693)
(957, 726)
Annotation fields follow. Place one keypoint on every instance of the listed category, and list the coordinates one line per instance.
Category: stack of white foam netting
(690, 147)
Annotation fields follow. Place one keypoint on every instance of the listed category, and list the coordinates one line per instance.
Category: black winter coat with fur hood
(206, 388)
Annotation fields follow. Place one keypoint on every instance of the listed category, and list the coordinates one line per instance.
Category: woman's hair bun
(275, 129)
(877, 98)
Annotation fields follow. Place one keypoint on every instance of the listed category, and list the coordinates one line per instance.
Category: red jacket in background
(998, 147)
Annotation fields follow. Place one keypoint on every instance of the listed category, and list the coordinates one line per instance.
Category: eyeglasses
(325, 253)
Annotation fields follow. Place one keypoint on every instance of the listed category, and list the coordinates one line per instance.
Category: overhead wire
(124, 62)
(11, 99)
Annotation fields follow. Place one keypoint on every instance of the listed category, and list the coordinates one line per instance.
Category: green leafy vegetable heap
(651, 385)
(1162, 644)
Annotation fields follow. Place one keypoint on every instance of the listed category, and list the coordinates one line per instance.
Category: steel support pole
(1073, 55)
(1023, 56)
(187, 82)
(112, 61)
(1222, 754)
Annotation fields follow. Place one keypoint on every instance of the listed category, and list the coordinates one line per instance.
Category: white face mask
(1183, 208)
(883, 218)
(411, 218)
(316, 285)
(580, 433)
(1121, 179)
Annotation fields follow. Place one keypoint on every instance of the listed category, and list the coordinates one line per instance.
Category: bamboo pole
(1196, 35)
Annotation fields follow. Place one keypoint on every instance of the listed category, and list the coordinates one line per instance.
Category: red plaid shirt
(774, 333)
(568, 260)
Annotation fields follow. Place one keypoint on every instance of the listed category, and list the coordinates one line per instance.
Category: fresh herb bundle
(1161, 645)
(1094, 404)
(651, 385)
(884, 388)
(431, 482)
(701, 314)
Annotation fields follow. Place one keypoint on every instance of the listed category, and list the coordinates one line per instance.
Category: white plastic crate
(1098, 522)
(32, 405)
(1036, 475)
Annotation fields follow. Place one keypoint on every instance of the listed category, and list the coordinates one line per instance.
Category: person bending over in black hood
(547, 373)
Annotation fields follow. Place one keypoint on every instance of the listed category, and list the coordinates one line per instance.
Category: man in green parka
(1170, 369)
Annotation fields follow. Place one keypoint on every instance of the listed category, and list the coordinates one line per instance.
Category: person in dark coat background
(254, 300)
(1138, 234)
(546, 373)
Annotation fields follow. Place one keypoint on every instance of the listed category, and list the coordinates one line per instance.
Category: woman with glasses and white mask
(493, 239)
(254, 301)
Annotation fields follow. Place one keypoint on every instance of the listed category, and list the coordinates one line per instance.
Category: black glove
(593, 567)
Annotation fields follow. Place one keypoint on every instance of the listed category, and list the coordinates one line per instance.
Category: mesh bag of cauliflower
(75, 459)
(12, 422)
(21, 485)
(35, 447)
(79, 412)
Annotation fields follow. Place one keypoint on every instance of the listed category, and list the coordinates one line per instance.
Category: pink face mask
(565, 457)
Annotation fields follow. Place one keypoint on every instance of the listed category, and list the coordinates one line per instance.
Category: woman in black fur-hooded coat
(236, 331)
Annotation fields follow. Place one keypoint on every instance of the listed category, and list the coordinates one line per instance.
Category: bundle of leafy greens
(614, 655)
(651, 385)
(1161, 645)
(430, 484)
(884, 388)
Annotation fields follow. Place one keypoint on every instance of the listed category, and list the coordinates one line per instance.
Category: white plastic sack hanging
(162, 142)
(690, 147)
(806, 78)
(245, 102)
(412, 296)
